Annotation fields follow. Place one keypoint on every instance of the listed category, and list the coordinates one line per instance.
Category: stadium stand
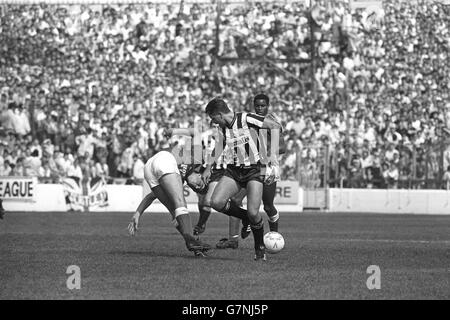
(90, 89)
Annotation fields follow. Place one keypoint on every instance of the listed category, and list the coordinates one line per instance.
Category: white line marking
(383, 240)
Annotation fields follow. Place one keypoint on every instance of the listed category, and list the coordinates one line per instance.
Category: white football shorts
(159, 165)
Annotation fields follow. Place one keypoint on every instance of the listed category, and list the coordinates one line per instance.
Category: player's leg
(150, 180)
(204, 213)
(234, 225)
(254, 197)
(170, 193)
(171, 186)
(245, 230)
(268, 199)
(145, 203)
(165, 201)
(204, 207)
(232, 242)
(221, 198)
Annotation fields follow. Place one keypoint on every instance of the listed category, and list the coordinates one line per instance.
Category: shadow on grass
(210, 255)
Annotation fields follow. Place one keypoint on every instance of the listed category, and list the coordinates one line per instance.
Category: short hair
(261, 96)
(217, 105)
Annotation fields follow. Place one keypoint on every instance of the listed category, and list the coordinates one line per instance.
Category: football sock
(177, 226)
(184, 223)
(258, 234)
(273, 222)
(205, 212)
(232, 210)
(233, 228)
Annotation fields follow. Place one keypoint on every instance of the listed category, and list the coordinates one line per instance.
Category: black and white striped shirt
(241, 139)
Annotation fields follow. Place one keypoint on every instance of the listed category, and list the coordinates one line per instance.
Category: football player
(245, 168)
(261, 105)
(165, 178)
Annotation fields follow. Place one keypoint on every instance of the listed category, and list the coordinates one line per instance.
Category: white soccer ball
(274, 242)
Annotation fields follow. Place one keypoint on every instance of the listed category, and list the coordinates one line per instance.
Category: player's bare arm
(181, 131)
(282, 145)
(145, 203)
(207, 173)
(269, 123)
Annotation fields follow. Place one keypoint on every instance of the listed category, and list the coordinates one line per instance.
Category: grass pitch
(326, 257)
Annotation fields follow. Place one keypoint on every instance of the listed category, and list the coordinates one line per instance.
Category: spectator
(446, 179)
(32, 164)
(102, 168)
(123, 73)
(5, 169)
(75, 170)
(18, 169)
(138, 169)
(390, 175)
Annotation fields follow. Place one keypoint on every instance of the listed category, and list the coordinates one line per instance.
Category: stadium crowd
(95, 86)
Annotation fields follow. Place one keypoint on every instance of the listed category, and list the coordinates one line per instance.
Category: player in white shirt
(165, 178)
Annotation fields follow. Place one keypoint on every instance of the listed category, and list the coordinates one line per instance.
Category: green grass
(326, 257)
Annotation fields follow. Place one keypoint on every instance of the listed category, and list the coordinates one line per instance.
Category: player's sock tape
(180, 211)
(274, 218)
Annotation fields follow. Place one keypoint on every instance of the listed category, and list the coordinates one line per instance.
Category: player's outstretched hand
(133, 225)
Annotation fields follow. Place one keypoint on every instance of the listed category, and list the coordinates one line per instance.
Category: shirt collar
(232, 122)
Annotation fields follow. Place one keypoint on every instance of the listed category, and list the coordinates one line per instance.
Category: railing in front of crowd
(108, 180)
(401, 183)
(320, 167)
(316, 167)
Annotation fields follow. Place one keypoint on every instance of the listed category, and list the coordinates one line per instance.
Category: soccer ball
(274, 242)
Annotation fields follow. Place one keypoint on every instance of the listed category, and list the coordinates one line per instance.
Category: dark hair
(217, 105)
(196, 168)
(261, 96)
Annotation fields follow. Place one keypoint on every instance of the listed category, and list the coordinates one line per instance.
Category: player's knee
(218, 204)
(237, 201)
(254, 217)
(253, 212)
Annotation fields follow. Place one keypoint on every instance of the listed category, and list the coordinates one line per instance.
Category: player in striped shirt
(247, 166)
(215, 172)
(261, 104)
(211, 174)
(165, 174)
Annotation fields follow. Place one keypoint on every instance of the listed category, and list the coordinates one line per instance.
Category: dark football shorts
(216, 174)
(243, 174)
